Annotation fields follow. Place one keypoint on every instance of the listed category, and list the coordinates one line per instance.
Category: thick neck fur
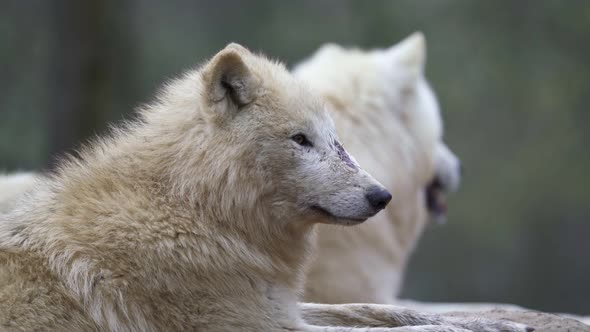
(139, 197)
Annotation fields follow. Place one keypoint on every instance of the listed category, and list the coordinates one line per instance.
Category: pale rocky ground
(542, 322)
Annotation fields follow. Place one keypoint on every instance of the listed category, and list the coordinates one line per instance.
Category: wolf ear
(228, 79)
(410, 53)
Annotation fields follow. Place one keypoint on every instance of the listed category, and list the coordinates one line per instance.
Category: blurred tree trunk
(91, 67)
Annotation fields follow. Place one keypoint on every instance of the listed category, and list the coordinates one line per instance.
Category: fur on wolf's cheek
(344, 156)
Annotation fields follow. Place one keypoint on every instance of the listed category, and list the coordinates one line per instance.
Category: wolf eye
(301, 140)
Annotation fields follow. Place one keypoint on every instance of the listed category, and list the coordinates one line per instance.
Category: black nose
(378, 197)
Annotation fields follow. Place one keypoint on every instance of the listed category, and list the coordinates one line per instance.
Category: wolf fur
(12, 186)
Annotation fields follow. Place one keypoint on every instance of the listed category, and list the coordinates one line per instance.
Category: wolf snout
(378, 198)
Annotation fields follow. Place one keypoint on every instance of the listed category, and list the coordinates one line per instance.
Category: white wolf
(199, 216)
(388, 116)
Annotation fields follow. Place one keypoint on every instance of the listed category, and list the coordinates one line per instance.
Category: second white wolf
(388, 116)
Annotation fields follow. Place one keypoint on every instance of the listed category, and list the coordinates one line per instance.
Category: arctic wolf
(198, 216)
(388, 116)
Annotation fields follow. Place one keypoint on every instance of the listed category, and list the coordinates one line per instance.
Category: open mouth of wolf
(436, 201)
(338, 219)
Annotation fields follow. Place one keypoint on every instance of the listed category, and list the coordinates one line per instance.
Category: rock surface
(542, 322)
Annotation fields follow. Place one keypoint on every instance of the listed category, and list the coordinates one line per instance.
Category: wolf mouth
(436, 201)
(342, 220)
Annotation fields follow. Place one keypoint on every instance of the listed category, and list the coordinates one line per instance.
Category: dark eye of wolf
(302, 140)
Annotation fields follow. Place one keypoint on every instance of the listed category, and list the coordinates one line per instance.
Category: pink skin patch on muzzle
(344, 156)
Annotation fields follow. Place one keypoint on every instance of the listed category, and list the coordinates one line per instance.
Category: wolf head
(248, 137)
(396, 128)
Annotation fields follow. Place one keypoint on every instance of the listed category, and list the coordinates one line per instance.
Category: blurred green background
(513, 78)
